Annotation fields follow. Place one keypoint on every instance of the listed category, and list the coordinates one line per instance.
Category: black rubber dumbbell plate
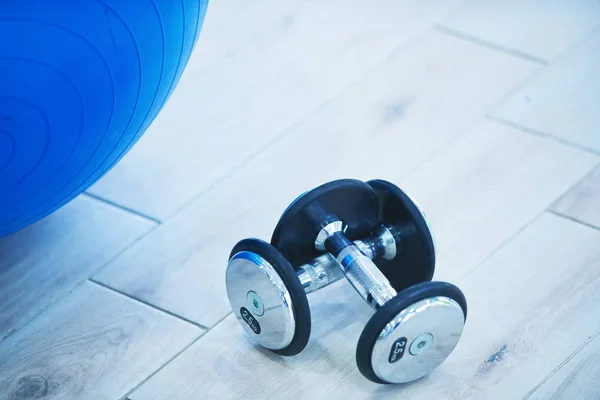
(415, 259)
(353, 202)
(412, 334)
(267, 297)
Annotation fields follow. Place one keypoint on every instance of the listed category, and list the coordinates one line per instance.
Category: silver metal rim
(260, 300)
(417, 340)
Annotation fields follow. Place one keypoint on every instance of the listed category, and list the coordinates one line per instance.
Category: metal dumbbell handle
(365, 277)
(320, 272)
(354, 261)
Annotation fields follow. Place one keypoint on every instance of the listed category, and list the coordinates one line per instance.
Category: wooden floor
(486, 111)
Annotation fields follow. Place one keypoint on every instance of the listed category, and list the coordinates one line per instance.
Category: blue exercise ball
(80, 82)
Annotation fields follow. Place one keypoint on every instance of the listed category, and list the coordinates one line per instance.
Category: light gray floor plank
(280, 61)
(43, 262)
(577, 379)
(561, 101)
(94, 344)
(530, 308)
(382, 127)
(541, 29)
(225, 365)
(582, 202)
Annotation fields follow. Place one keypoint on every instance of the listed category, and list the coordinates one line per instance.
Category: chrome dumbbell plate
(267, 297)
(412, 334)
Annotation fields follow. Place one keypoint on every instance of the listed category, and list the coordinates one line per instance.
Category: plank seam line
(525, 226)
(223, 318)
(337, 384)
(126, 397)
(121, 208)
(557, 59)
(75, 286)
(147, 304)
(490, 45)
(541, 134)
(146, 379)
(502, 245)
(573, 219)
(572, 187)
(560, 366)
(286, 131)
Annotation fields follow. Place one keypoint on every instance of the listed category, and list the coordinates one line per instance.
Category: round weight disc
(412, 334)
(267, 297)
(352, 201)
(415, 259)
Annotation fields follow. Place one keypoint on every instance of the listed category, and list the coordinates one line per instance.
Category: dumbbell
(376, 236)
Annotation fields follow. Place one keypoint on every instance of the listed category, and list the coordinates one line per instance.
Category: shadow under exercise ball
(80, 82)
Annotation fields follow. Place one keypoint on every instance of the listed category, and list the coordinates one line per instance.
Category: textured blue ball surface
(80, 81)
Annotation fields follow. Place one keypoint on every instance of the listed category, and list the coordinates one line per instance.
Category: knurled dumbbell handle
(326, 269)
(320, 272)
(365, 277)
